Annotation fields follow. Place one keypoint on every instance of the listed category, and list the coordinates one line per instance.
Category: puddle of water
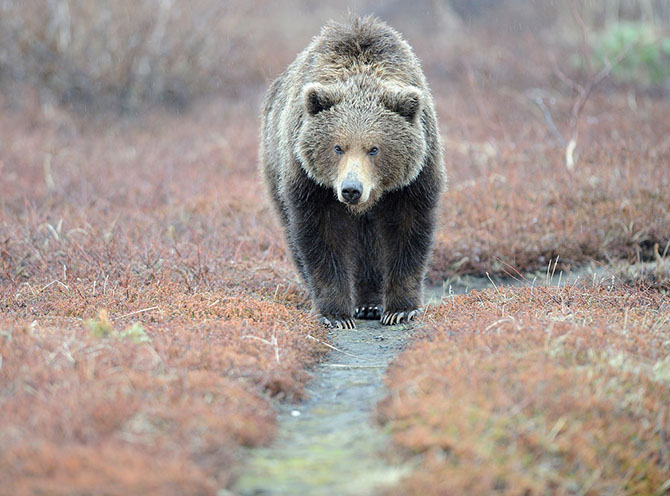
(329, 444)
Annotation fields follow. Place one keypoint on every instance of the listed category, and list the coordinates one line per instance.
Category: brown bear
(351, 155)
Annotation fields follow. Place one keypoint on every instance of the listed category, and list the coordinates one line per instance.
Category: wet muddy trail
(330, 443)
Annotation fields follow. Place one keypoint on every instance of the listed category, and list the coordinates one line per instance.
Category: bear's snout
(354, 181)
(352, 191)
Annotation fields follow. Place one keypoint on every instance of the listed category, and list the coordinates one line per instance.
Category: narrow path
(330, 444)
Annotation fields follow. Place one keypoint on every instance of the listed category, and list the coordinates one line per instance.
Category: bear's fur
(351, 155)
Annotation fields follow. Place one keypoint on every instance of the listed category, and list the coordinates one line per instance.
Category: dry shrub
(149, 313)
(511, 201)
(84, 414)
(77, 407)
(651, 275)
(506, 120)
(130, 52)
(57, 469)
(537, 391)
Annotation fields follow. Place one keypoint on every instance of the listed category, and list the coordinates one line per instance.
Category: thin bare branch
(309, 336)
(138, 311)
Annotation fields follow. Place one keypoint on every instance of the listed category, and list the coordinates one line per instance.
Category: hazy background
(128, 55)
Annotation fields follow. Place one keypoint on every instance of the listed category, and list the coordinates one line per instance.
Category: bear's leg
(406, 229)
(368, 284)
(297, 258)
(284, 217)
(321, 232)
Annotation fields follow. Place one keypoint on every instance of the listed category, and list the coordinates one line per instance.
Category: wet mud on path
(330, 443)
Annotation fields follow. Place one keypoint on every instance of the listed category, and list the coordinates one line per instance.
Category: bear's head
(361, 138)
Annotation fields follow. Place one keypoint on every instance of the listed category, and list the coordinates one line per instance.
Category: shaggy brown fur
(351, 155)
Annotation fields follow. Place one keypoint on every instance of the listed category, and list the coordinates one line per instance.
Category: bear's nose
(352, 191)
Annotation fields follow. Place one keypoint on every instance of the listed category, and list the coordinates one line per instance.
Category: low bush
(148, 316)
(130, 53)
(537, 390)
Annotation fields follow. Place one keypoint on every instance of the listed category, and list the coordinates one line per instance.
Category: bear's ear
(404, 101)
(319, 97)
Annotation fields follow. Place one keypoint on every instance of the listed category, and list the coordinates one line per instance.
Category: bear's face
(361, 140)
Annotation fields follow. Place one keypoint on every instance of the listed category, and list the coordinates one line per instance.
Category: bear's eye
(338, 150)
(373, 151)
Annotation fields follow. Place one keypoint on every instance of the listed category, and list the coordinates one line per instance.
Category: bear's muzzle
(354, 179)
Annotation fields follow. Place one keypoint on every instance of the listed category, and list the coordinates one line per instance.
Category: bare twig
(586, 48)
(273, 342)
(494, 285)
(55, 281)
(580, 102)
(583, 90)
(517, 276)
(138, 311)
(309, 336)
(538, 97)
(349, 366)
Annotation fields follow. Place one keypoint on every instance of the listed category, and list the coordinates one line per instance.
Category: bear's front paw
(371, 312)
(341, 322)
(391, 318)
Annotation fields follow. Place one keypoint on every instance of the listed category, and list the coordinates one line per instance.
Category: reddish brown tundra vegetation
(146, 308)
(150, 317)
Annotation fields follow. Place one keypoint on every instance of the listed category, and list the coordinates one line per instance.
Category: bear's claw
(391, 318)
(340, 323)
(372, 312)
